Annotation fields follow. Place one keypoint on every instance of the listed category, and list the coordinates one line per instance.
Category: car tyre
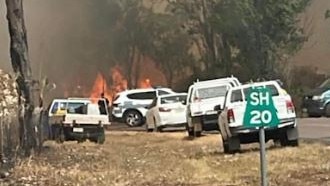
(327, 110)
(160, 129)
(133, 118)
(198, 133)
(100, 139)
(189, 130)
(231, 145)
(286, 141)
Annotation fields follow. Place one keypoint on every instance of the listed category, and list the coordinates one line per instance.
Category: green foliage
(247, 38)
(261, 31)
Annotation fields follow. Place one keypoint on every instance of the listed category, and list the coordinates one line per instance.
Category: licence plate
(211, 112)
(78, 130)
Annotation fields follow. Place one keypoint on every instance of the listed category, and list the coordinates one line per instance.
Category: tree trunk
(21, 66)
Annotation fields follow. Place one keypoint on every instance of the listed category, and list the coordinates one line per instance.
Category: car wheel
(133, 118)
(231, 145)
(190, 130)
(160, 129)
(100, 139)
(327, 110)
(313, 115)
(286, 141)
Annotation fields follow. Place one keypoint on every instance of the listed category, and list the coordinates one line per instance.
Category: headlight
(317, 97)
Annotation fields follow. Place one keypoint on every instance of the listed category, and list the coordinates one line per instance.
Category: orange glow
(118, 80)
(145, 83)
(99, 87)
(119, 83)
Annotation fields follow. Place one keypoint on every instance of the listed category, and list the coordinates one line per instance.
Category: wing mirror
(218, 108)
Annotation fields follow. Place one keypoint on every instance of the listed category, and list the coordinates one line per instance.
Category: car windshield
(174, 99)
(212, 92)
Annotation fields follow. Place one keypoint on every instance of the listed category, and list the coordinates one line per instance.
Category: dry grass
(137, 158)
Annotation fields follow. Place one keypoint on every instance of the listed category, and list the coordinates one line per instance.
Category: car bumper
(292, 122)
(210, 122)
(78, 132)
(313, 107)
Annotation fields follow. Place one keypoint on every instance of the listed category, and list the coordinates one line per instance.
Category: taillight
(162, 109)
(290, 106)
(230, 116)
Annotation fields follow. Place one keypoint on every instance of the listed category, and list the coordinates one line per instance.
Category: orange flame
(99, 87)
(145, 83)
(119, 83)
(118, 80)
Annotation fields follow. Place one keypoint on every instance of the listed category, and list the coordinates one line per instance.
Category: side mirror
(217, 108)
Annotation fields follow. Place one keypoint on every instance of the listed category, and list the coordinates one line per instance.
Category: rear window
(272, 88)
(77, 108)
(236, 96)
(212, 92)
(174, 99)
(142, 95)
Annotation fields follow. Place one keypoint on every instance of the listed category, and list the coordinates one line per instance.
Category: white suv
(231, 119)
(130, 105)
(202, 97)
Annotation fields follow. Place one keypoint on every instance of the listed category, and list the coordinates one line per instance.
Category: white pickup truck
(231, 120)
(202, 97)
(78, 119)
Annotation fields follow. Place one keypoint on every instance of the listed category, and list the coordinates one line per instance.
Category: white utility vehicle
(78, 119)
(167, 111)
(129, 106)
(233, 130)
(202, 97)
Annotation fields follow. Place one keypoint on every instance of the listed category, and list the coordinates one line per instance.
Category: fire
(118, 80)
(119, 83)
(145, 83)
(100, 86)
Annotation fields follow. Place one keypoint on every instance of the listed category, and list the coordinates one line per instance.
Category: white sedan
(166, 111)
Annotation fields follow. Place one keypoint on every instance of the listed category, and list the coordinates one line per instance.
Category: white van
(202, 97)
(231, 119)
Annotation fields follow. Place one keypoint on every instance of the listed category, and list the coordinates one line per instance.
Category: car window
(212, 92)
(162, 92)
(236, 96)
(143, 95)
(272, 88)
(77, 108)
(174, 99)
(55, 107)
